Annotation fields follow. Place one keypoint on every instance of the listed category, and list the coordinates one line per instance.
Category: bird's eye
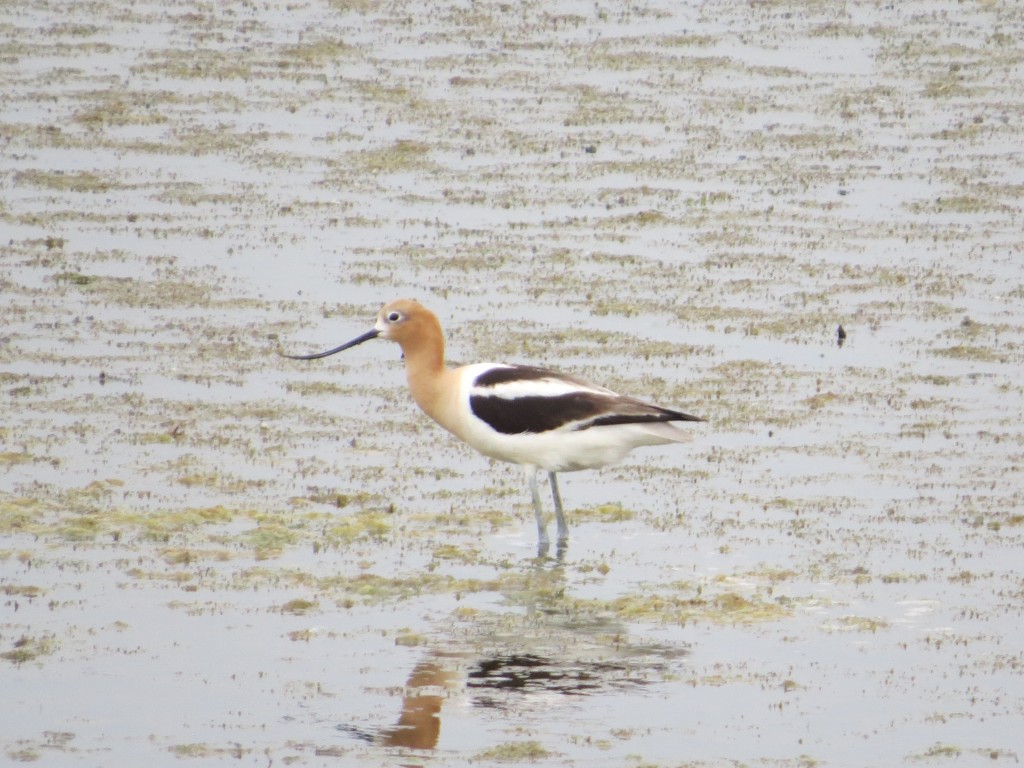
(394, 317)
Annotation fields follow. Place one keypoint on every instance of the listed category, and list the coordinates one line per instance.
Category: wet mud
(800, 220)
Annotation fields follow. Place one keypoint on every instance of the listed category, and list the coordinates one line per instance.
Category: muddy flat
(800, 220)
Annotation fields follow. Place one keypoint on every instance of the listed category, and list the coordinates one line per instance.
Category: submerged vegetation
(683, 203)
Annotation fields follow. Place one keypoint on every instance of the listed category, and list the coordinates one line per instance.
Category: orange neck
(425, 369)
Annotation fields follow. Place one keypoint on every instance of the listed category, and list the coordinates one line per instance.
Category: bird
(522, 414)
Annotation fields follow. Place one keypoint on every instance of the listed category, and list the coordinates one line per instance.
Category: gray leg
(542, 530)
(563, 528)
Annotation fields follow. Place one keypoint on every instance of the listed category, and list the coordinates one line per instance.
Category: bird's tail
(665, 431)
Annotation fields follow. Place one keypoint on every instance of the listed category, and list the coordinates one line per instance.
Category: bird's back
(533, 416)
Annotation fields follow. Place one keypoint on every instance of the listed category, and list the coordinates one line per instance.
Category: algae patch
(514, 752)
(26, 649)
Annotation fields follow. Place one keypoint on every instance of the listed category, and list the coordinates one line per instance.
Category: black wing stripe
(578, 411)
(532, 415)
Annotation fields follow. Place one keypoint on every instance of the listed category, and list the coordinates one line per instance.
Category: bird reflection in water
(507, 661)
(495, 682)
(419, 725)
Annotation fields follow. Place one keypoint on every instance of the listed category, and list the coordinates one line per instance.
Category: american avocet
(517, 413)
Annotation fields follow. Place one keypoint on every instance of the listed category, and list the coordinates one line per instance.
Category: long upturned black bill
(347, 345)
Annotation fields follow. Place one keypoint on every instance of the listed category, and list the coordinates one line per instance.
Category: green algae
(722, 608)
(514, 752)
(695, 241)
(131, 292)
(299, 606)
(23, 590)
(970, 352)
(608, 513)
(861, 624)
(939, 750)
(61, 181)
(27, 649)
(202, 750)
(402, 155)
(15, 457)
(363, 525)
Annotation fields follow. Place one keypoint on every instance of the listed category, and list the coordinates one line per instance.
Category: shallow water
(211, 553)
